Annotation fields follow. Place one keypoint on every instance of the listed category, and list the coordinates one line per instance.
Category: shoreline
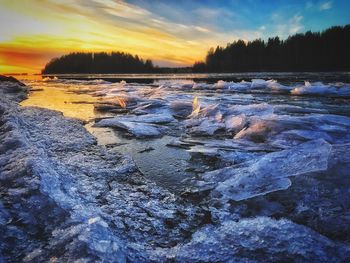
(68, 186)
(65, 198)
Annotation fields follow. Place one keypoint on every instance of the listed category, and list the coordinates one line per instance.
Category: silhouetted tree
(312, 51)
(102, 62)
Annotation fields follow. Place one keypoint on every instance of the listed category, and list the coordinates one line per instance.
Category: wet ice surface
(259, 168)
(231, 119)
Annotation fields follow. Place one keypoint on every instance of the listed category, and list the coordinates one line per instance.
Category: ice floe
(269, 173)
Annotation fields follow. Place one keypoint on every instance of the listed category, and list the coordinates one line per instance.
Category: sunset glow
(34, 31)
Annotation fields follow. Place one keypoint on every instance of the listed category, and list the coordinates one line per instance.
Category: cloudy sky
(171, 33)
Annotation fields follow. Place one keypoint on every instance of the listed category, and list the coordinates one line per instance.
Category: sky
(171, 33)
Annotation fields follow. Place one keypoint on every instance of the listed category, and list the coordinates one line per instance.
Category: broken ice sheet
(206, 128)
(137, 129)
(249, 239)
(147, 118)
(269, 173)
(320, 89)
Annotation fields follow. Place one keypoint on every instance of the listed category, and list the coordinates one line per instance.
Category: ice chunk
(234, 86)
(274, 86)
(270, 172)
(137, 129)
(262, 238)
(235, 123)
(220, 84)
(257, 132)
(318, 88)
(251, 109)
(206, 151)
(181, 109)
(207, 127)
(200, 86)
(211, 111)
(296, 109)
(147, 118)
(310, 135)
(258, 84)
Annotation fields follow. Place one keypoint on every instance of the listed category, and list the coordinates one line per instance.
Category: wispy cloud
(326, 5)
(284, 28)
(309, 5)
(295, 24)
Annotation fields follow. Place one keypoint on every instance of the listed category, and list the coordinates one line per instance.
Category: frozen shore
(64, 199)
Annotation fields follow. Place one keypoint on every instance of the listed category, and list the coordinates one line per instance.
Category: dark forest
(312, 51)
(99, 63)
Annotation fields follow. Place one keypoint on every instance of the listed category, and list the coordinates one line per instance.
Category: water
(284, 77)
(188, 147)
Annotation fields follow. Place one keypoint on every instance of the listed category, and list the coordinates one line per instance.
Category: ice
(206, 128)
(258, 84)
(269, 173)
(138, 129)
(147, 118)
(235, 123)
(254, 240)
(241, 86)
(256, 132)
(321, 89)
(181, 109)
(296, 109)
(309, 135)
(251, 109)
(273, 86)
(89, 202)
(244, 156)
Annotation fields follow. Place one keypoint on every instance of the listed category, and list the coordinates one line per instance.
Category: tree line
(98, 63)
(312, 51)
(328, 50)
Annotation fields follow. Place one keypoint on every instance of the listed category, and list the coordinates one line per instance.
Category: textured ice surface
(256, 157)
(272, 86)
(321, 89)
(138, 129)
(65, 197)
(269, 173)
(254, 240)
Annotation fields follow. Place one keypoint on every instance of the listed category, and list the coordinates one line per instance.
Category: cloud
(325, 5)
(202, 29)
(309, 5)
(295, 24)
(285, 28)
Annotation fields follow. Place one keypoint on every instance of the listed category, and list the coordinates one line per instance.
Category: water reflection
(55, 97)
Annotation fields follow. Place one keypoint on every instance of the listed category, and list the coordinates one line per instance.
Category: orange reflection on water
(71, 105)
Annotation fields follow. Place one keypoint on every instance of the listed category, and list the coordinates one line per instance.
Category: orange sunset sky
(33, 32)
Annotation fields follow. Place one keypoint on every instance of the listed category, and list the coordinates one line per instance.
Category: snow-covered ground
(264, 171)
